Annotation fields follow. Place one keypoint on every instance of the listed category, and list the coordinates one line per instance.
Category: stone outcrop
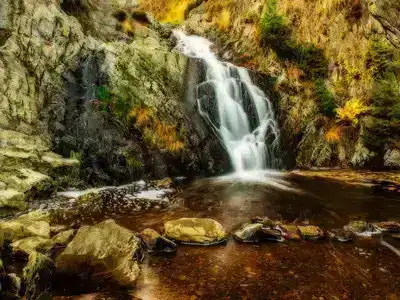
(104, 248)
(38, 44)
(387, 12)
(54, 55)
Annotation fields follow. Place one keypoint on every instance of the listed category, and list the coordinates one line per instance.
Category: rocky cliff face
(334, 64)
(75, 77)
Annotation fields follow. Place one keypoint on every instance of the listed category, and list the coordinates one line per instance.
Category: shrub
(333, 134)
(273, 26)
(224, 20)
(351, 111)
(277, 35)
(384, 60)
(325, 98)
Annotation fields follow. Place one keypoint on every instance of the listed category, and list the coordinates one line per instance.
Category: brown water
(362, 269)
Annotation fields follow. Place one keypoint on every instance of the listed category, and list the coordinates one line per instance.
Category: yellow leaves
(352, 110)
(127, 27)
(168, 11)
(143, 116)
(176, 14)
(224, 19)
(333, 134)
(156, 133)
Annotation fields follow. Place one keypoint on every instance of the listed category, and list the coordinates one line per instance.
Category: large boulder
(104, 248)
(195, 230)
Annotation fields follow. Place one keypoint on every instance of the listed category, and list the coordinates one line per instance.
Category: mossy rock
(103, 248)
(195, 230)
(29, 245)
(37, 275)
(23, 227)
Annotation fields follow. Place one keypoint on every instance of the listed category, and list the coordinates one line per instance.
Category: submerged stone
(11, 198)
(157, 243)
(64, 237)
(195, 231)
(103, 248)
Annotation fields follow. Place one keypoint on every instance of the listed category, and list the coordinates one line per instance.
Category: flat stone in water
(195, 231)
(310, 232)
(248, 233)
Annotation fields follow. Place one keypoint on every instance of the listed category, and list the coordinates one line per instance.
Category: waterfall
(235, 107)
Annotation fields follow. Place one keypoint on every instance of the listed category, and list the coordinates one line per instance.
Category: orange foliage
(159, 134)
(333, 134)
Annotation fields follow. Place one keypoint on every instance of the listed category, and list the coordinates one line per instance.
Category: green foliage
(325, 98)
(76, 155)
(273, 26)
(384, 60)
(133, 163)
(112, 103)
(276, 35)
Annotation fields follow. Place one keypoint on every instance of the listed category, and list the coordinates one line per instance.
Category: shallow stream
(361, 269)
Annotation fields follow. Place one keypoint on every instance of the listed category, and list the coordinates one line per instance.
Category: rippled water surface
(362, 269)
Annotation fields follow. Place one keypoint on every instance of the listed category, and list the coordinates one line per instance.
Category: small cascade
(238, 110)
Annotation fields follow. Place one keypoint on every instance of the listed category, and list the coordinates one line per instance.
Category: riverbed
(360, 269)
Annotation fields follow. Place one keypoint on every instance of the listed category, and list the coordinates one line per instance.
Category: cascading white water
(241, 113)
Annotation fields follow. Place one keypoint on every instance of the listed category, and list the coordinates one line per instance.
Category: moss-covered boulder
(195, 230)
(105, 248)
(23, 227)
